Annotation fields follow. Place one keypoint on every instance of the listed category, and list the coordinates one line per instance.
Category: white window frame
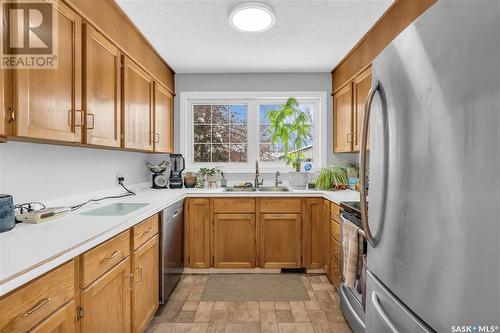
(252, 100)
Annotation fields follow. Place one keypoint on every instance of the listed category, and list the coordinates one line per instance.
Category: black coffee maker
(177, 165)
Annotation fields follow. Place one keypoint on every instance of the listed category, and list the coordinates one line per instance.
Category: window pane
(238, 114)
(238, 153)
(238, 134)
(220, 153)
(220, 134)
(202, 133)
(275, 153)
(202, 153)
(220, 114)
(202, 114)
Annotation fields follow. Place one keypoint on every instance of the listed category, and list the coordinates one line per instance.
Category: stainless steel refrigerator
(434, 198)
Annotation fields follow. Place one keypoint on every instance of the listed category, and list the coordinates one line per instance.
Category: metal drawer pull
(140, 273)
(147, 231)
(382, 314)
(37, 307)
(111, 256)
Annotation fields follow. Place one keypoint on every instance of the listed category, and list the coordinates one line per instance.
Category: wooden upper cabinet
(61, 321)
(102, 92)
(106, 302)
(146, 284)
(137, 107)
(234, 241)
(312, 232)
(362, 84)
(47, 102)
(164, 119)
(4, 122)
(197, 233)
(281, 240)
(342, 123)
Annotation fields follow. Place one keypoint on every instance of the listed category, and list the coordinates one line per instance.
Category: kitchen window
(230, 130)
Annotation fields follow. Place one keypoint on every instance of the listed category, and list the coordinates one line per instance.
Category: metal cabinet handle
(349, 137)
(362, 163)
(382, 314)
(93, 121)
(140, 273)
(145, 232)
(81, 118)
(37, 307)
(113, 255)
(157, 137)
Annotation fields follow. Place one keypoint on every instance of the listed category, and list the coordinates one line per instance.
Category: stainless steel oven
(352, 299)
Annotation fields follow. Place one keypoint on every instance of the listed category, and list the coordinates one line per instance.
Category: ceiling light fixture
(251, 17)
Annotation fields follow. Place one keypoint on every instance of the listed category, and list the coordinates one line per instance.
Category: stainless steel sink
(274, 189)
(239, 189)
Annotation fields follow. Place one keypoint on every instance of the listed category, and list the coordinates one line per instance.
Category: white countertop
(29, 251)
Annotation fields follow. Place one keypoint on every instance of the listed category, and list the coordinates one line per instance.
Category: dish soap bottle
(223, 181)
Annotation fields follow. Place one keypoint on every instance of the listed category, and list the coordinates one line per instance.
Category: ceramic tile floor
(186, 313)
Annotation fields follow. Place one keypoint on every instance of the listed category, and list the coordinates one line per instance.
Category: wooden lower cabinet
(334, 271)
(61, 321)
(234, 240)
(145, 297)
(311, 232)
(106, 302)
(281, 240)
(325, 233)
(197, 232)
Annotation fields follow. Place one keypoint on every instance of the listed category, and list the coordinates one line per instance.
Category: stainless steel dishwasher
(172, 261)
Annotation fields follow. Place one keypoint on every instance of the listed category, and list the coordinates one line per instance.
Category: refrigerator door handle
(362, 167)
(383, 315)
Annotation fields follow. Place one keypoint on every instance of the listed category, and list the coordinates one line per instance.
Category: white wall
(39, 172)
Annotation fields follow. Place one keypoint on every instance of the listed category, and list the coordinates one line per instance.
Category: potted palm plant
(290, 128)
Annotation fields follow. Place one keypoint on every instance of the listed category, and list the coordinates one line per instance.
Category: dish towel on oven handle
(350, 247)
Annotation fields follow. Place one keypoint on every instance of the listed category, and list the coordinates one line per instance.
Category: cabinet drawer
(29, 305)
(103, 257)
(335, 271)
(335, 247)
(145, 230)
(335, 230)
(335, 212)
(232, 205)
(281, 205)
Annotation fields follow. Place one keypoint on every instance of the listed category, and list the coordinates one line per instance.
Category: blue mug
(7, 216)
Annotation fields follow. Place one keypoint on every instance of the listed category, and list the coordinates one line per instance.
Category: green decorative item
(290, 127)
(333, 178)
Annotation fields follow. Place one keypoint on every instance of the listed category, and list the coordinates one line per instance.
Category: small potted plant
(333, 178)
(212, 175)
(290, 128)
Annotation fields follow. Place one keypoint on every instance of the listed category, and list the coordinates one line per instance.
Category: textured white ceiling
(194, 36)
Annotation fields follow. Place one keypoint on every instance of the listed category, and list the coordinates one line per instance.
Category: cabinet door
(138, 107)
(281, 240)
(312, 232)
(164, 120)
(234, 241)
(325, 232)
(146, 284)
(4, 122)
(106, 302)
(342, 112)
(102, 90)
(362, 85)
(198, 233)
(48, 102)
(61, 321)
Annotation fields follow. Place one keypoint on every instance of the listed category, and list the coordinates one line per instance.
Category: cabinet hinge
(12, 117)
(80, 313)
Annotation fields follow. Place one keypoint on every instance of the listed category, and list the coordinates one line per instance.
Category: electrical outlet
(120, 178)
